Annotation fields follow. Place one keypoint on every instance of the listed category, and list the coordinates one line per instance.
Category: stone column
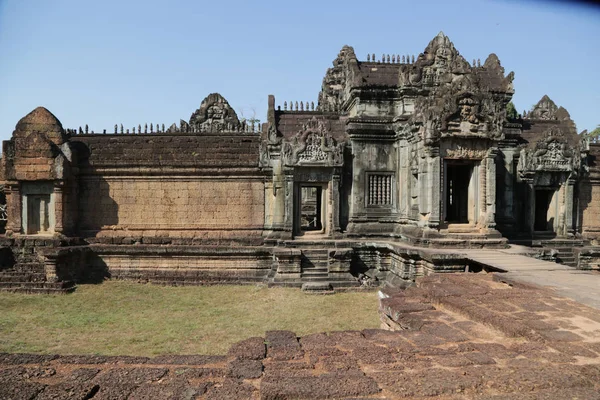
(290, 195)
(569, 201)
(58, 207)
(435, 188)
(335, 203)
(13, 208)
(490, 189)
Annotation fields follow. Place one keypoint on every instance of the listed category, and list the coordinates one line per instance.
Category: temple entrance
(458, 178)
(310, 209)
(38, 216)
(543, 199)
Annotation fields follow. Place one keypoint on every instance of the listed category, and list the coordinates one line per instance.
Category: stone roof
(290, 123)
(43, 121)
(544, 115)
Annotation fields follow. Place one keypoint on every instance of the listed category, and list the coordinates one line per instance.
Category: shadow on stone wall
(584, 194)
(82, 266)
(103, 211)
(7, 258)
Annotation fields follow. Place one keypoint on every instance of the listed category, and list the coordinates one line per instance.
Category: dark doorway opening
(310, 208)
(543, 197)
(458, 177)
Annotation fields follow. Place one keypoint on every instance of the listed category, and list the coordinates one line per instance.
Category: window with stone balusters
(379, 189)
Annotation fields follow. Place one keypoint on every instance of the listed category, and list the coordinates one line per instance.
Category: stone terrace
(453, 336)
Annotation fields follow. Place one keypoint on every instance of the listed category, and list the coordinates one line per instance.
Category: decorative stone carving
(214, 115)
(551, 154)
(460, 152)
(335, 84)
(545, 109)
(313, 145)
(273, 137)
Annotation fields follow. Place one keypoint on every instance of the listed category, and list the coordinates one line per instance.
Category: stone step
(315, 278)
(315, 269)
(317, 288)
(22, 277)
(313, 274)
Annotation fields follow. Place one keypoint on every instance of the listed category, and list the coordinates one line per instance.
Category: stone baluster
(413, 59)
(116, 128)
(368, 57)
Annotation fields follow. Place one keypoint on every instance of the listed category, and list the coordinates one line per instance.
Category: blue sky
(134, 62)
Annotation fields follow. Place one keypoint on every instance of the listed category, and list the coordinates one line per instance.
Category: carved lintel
(313, 145)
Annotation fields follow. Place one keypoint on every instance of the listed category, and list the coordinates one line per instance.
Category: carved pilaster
(490, 189)
(289, 193)
(569, 200)
(13, 208)
(59, 207)
(335, 203)
(436, 189)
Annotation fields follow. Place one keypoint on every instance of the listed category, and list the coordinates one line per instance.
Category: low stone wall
(182, 265)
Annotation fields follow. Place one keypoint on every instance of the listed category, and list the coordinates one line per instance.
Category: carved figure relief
(552, 153)
(214, 115)
(313, 145)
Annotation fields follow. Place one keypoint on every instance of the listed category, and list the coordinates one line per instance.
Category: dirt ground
(463, 336)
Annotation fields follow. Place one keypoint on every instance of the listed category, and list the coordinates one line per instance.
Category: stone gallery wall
(589, 189)
(178, 185)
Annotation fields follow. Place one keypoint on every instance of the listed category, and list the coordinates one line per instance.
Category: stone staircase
(314, 265)
(27, 274)
(566, 256)
(564, 247)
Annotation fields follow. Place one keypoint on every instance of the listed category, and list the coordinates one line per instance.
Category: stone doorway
(543, 221)
(458, 179)
(38, 215)
(310, 209)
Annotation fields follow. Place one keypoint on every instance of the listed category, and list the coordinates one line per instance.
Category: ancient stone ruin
(399, 157)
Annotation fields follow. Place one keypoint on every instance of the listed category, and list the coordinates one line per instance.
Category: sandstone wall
(192, 186)
(589, 192)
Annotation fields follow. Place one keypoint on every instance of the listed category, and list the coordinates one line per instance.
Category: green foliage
(595, 132)
(511, 111)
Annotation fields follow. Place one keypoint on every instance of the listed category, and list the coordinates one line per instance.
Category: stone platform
(455, 336)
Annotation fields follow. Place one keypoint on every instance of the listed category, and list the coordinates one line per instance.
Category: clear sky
(133, 62)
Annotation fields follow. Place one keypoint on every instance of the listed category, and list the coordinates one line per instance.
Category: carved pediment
(545, 109)
(437, 65)
(313, 145)
(551, 154)
(214, 115)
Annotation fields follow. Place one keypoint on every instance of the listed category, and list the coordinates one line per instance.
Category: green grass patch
(121, 318)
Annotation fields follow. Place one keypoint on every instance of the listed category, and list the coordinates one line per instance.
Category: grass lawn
(121, 318)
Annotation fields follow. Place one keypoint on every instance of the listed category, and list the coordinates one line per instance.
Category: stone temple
(399, 157)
